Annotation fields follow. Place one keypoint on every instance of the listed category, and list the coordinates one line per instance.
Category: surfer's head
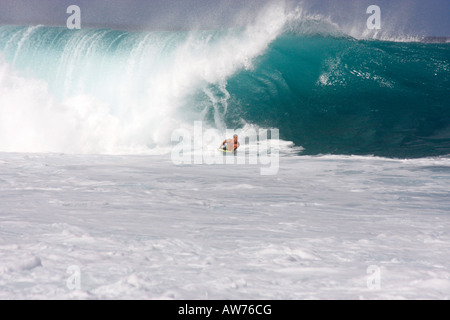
(235, 137)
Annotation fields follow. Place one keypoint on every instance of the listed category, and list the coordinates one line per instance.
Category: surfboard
(225, 151)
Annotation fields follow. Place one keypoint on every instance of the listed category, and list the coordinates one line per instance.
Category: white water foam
(139, 227)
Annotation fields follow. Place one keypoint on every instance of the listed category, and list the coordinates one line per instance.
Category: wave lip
(119, 91)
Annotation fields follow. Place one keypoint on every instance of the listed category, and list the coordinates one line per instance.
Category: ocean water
(93, 205)
(112, 91)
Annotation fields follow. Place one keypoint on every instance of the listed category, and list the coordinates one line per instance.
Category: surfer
(231, 145)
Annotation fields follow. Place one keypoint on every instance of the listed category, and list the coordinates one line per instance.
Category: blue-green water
(339, 95)
(329, 94)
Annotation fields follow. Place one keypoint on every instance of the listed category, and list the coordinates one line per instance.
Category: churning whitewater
(138, 227)
(106, 91)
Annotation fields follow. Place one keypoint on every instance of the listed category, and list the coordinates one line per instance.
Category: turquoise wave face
(343, 96)
(328, 94)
